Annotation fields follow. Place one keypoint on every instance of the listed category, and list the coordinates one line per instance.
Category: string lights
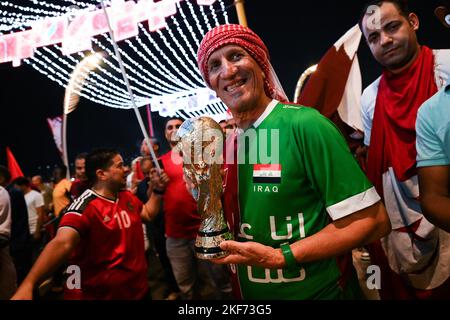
(161, 64)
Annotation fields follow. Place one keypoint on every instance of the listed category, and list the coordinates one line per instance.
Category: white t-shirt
(34, 200)
(5, 213)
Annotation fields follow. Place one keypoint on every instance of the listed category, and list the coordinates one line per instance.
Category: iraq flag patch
(267, 173)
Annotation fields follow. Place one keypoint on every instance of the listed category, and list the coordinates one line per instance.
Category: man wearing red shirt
(180, 208)
(182, 222)
(81, 183)
(101, 235)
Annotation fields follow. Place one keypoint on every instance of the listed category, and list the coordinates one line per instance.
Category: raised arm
(157, 187)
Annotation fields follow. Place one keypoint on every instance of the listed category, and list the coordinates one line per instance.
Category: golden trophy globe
(200, 142)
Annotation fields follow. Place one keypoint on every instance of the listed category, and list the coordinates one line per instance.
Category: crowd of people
(295, 218)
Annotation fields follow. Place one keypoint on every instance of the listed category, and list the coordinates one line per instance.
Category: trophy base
(209, 256)
(207, 245)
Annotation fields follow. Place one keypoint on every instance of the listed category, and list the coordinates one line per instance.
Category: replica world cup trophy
(200, 141)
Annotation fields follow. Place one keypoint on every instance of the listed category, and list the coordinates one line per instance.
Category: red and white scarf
(393, 137)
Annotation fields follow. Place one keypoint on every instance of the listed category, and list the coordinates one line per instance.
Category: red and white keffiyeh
(227, 34)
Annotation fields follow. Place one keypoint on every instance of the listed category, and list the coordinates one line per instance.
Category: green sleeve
(330, 167)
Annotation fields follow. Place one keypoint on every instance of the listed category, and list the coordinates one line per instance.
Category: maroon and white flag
(336, 85)
(55, 125)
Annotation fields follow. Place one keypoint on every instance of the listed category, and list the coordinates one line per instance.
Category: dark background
(297, 34)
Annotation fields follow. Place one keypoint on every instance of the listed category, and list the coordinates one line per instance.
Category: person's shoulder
(373, 86)
(293, 111)
(80, 204)
(127, 195)
(14, 193)
(370, 92)
(3, 193)
(165, 155)
(305, 119)
(300, 114)
(62, 184)
(4, 196)
(166, 158)
(432, 106)
(442, 56)
(34, 194)
(442, 66)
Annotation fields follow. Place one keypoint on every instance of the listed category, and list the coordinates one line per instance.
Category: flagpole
(240, 9)
(130, 92)
(64, 144)
(301, 81)
(150, 123)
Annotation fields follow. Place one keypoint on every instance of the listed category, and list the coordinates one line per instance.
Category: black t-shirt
(20, 233)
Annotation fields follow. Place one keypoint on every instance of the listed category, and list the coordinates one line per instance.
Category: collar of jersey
(262, 117)
(104, 198)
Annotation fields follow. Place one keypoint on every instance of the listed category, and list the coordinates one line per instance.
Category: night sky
(297, 34)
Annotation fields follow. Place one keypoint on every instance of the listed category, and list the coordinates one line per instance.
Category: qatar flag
(335, 87)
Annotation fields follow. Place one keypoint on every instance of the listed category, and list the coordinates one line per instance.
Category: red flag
(13, 166)
(335, 88)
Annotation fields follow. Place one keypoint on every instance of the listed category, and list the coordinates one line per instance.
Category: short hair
(170, 119)
(21, 181)
(98, 159)
(38, 177)
(61, 171)
(81, 156)
(143, 159)
(153, 139)
(4, 172)
(401, 5)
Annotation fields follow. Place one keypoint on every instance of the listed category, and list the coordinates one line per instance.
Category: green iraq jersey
(295, 175)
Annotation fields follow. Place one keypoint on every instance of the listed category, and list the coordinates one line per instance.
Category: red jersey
(78, 187)
(110, 254)
(180, 209)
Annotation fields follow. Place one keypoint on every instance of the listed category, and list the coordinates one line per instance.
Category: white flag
(55, 125)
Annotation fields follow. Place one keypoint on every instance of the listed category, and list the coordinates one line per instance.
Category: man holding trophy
(296, 214)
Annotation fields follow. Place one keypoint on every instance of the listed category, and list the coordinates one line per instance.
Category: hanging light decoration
(157, 40)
